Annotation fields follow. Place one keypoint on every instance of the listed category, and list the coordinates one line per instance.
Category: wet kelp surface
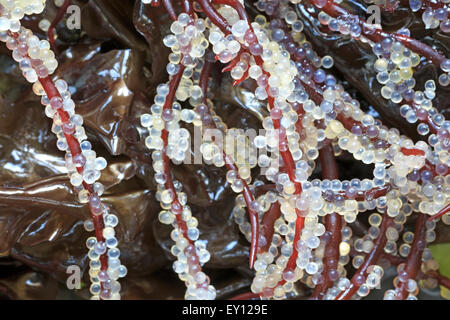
(113, 66)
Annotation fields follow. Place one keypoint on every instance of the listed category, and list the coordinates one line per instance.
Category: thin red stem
(335, 10)
(268, 222)
(254, 221)
(215, 16)
(188, 7)
(204, 77)
(371, 194)
(292, 262)
(393, 260)
(348, 123)
(370, 259)
(377, 35)
(442, 280)
(428, 120)
(445, 210)
(333, 225)
(74, 147)
(221, 22)
(288, 160)
(176, 206)
(230, 165)
(414, 260)
(51, 30)
(170, 10)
